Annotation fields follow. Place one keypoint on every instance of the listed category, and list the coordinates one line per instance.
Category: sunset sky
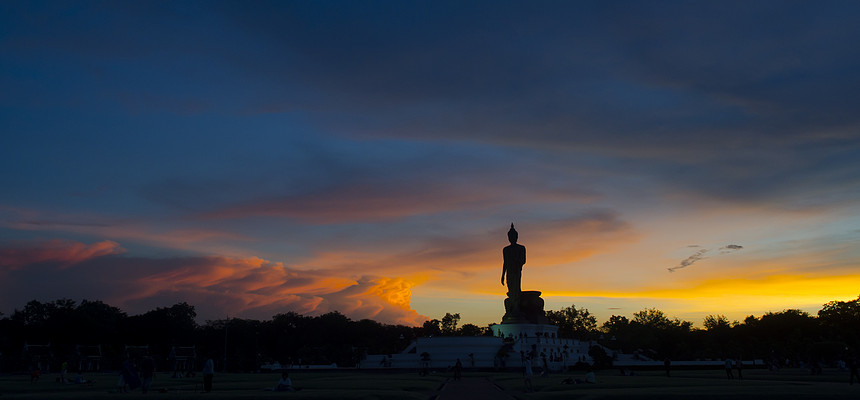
(253, 158)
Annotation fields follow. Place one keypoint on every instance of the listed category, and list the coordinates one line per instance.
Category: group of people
(736, 364)
(458, 370)
(135, 374)
(78, 379)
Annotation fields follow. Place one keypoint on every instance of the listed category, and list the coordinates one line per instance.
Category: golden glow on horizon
(775, 285)
(723, 296)
(735, 298)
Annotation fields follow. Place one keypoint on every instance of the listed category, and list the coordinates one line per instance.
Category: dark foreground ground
(709, 384)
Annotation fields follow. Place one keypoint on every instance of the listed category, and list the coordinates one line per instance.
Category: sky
(368, 157)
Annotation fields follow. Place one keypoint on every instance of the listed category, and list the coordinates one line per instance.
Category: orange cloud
(258, 288)
(63, 252)
(378, 298)
(219, 286)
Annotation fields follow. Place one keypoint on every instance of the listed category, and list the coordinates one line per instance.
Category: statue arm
(504, 268)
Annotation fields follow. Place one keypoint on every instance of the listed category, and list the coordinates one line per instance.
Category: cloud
(63, 253)
(596, 73)
(662, 85)
(377, 298)
(700, 254)
(255, 288)
(163, 233)
(355, 203)
(246, 287)
(730, 248)
(706, 97)
(364, 283)
(456, 261)
(370, 181)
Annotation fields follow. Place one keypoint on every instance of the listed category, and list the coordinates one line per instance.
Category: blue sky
(262, 157)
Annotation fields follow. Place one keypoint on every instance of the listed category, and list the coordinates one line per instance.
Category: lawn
(696, 384)
(712, 384)
(314, 385)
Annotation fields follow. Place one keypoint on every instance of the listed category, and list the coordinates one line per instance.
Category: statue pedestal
(524, 307)
(527, 328)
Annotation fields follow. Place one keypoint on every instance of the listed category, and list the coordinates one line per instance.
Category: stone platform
(524, 307)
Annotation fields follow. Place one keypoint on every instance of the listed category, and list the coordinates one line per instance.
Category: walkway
(476, 388)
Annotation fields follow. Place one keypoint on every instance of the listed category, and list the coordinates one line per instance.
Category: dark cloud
(371, 203)
(566, 73)
(710, 98)
(349, 181)
(700, 254)
(576, 72)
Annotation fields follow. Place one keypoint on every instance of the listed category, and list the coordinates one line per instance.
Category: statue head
(512, 234)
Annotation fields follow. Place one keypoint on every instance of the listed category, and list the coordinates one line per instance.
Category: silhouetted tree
(43, 321)
(718, 341)
(617, 332)
(615, 325)
(285, 336)
(432, 327)
(243, 344)
(573, 322)
(35, 313)
(332, 337)
(652, 318)
(449, 323)
(841, 321)
(716, 322)
(162, 328)
(787, 334)
(653, 332)
(472, 330)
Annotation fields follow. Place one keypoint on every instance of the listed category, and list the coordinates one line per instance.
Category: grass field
(758, 384)
(697, 385)
(314, 385)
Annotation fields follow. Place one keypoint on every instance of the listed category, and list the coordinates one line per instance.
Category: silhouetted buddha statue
(514, 258)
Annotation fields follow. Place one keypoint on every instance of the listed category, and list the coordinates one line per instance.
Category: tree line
(235, 344)
(788, 337)
(244, 344)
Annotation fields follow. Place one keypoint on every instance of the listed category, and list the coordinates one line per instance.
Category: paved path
(476, 388)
